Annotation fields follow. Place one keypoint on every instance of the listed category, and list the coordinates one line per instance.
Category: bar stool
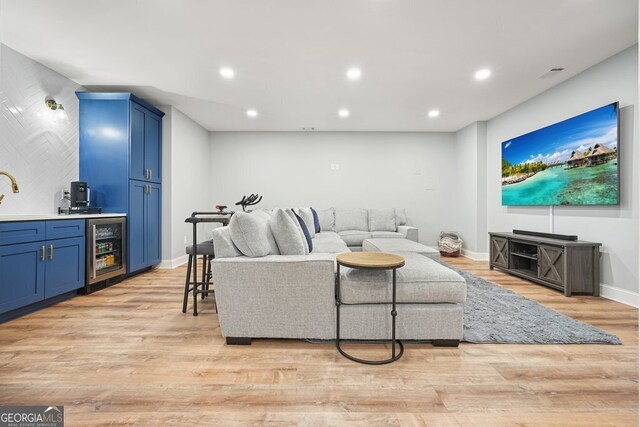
(206, 250)
(198, 287)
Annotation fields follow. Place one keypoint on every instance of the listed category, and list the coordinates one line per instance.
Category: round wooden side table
(370, 261)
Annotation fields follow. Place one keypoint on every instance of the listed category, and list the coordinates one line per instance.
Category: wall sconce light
(54, 106)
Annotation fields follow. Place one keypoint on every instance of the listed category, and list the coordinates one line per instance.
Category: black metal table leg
(394, 313)
(195, 269)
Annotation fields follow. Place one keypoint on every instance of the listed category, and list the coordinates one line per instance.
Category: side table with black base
(204, 249)
(370, 261)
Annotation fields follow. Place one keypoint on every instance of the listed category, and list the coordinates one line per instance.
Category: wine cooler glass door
(107, 249)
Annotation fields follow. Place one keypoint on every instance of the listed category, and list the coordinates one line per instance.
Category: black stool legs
(196, 287)
(186, 285)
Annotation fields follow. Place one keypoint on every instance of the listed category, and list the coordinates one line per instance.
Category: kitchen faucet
(14, 184)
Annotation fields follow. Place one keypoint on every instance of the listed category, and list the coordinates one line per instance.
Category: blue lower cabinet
(153, 224)
(144, 225)
(64, 266)
(21, 275)
(34, 272)
(136, 221)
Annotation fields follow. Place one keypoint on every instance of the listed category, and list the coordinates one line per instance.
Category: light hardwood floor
(127, 355)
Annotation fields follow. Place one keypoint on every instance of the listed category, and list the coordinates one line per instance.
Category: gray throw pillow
(299, 228)
(250, 234)
(266, 216)
(223, 246)
(327, 219)
(307, 217)
(401, 217)
(286, 233)
(351, 219)
(382, 219)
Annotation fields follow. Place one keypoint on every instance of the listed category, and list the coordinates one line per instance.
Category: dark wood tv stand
(568, 266)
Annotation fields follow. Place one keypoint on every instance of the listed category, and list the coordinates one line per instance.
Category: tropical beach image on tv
(573, 162)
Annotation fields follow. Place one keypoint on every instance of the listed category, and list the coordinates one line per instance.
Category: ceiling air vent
(552, 73)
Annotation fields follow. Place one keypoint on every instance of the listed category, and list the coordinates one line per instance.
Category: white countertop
(49, 217)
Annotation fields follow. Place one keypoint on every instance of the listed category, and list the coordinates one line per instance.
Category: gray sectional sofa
(261, 293)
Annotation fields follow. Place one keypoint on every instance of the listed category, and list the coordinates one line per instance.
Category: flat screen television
(573, 162)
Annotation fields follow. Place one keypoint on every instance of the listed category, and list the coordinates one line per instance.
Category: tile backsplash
(37, 146)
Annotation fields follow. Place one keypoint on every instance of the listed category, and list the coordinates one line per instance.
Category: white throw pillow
(295, 220)
(327, 219)
(401, 217)
(382, 220)
(250, 234)
(307, 217)
(286, 233)
(223, 246)
(266, 216)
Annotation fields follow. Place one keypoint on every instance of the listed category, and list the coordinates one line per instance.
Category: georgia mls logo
(31, 416)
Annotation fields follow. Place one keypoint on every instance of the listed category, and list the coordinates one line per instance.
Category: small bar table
(195, 219)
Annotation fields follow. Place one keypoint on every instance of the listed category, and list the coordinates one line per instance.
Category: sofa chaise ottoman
(399, 246)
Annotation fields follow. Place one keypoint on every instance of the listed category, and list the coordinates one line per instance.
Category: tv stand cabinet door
(499, 251)
(551, 260)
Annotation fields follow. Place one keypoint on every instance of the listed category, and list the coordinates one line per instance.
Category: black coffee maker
(80, 194)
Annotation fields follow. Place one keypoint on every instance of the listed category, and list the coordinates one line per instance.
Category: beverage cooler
(106, 249)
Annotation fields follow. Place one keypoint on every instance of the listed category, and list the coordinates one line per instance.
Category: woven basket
(450, 254)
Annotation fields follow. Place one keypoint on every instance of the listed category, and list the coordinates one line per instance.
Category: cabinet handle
(150, 173)
(94, 264)
(50, 251)
(42, 250)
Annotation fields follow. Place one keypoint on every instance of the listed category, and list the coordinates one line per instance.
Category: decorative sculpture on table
(251, 200)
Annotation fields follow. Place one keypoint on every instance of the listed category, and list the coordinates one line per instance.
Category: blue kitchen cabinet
(40, 260)
(64, 266)
(146, 144)
(144, 224)
(21, 275)
(153, 223)
(120, 159)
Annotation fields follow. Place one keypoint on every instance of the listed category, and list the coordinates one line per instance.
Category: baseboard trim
(476, 256)
(620, 295)
(173, 263)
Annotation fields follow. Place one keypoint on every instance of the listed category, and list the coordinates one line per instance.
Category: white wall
(471, 194)
(377, 170)
(185, 183)
(616, 227)
(36, 146)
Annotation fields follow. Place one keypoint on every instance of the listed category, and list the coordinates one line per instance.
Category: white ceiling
(290, 56)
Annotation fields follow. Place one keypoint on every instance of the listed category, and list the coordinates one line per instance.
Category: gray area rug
(493, 314)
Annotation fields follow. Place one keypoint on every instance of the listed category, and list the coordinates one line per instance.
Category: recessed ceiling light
(354, 73)
(483, 74)
(343, 112)
(252, 113)
(227, 72)
(434, 113)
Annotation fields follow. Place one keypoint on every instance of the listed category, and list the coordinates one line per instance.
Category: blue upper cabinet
(153, 147)
(138, 169)
(121, 154)
(146, 144)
